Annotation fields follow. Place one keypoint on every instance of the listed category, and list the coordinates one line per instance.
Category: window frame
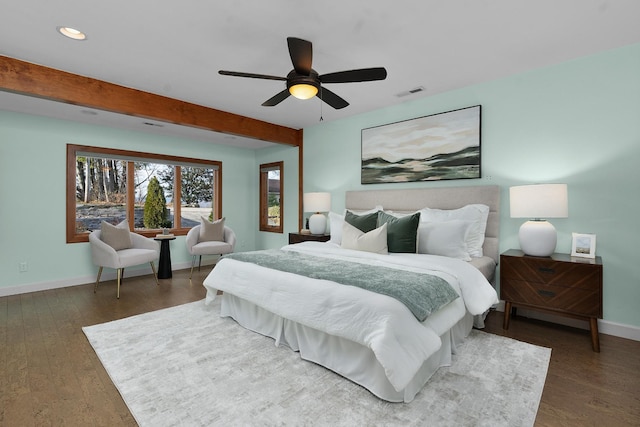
(264, 197)
(72, 152)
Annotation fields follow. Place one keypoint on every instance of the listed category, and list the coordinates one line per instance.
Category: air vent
(410, 92)
(153, 124)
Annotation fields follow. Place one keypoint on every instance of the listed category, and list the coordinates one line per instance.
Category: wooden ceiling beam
(38, 81)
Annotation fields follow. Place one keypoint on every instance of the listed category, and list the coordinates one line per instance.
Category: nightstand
(559, 284)
(298, 238)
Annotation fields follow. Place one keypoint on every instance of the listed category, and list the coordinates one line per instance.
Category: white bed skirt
(345, 357)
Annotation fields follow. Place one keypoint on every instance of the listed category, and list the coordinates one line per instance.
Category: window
(271, 201)
(112, 185)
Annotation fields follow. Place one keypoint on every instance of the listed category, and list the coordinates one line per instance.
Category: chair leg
(193, 262)
(155, 275)
(95, 288)
(199, 262)
(119, 271)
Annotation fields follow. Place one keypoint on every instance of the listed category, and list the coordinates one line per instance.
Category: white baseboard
(107, 274)
(604, 326)
(45, 286)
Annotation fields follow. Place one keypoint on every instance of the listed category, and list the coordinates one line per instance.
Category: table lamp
(317, 203)
(538, 202)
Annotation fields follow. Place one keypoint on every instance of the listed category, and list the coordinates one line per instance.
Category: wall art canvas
(437, 147)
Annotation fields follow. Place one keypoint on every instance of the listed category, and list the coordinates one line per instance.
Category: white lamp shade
(538, 237)
(317, 202)
(539, 201)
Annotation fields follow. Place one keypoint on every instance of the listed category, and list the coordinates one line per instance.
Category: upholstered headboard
(436, 198)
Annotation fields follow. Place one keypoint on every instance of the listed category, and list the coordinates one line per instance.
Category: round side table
(164, 266)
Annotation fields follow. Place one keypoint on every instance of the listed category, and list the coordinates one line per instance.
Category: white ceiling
(175, 49)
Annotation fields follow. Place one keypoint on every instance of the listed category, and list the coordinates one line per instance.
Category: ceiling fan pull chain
(321, 102)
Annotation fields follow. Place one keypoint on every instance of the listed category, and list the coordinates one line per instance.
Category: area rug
(186, 366)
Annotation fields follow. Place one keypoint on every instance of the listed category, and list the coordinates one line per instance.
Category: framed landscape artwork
(437, 147)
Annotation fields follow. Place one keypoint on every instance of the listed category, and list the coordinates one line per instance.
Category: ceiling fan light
(303, 91)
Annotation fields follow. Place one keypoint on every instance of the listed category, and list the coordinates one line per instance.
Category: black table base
(164, 266)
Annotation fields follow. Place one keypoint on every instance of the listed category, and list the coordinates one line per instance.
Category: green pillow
(401, 232)
(364, 223)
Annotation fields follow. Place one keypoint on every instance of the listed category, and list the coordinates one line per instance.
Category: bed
(370, 338)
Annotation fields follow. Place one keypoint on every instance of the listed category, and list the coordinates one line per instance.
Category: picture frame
(440, 146)
(583, 245)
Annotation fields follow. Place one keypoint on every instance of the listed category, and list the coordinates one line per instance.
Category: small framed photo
(584, 245)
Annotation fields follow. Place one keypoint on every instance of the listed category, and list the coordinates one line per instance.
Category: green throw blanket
(423, 294)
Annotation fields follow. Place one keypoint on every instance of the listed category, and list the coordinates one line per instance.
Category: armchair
(142, 250)
(198, 248)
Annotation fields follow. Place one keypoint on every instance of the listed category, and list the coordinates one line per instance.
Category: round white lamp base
(317, 223)
(538, 238)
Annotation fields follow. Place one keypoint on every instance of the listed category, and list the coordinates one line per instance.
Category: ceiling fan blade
(301, 53)
(352, 76)
(276, 99)
(250, 75)
(331, 98)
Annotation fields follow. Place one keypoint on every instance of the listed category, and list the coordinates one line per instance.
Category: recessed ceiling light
(72, 33)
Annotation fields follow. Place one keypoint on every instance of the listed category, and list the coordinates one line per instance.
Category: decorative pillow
(444, 238)
(477, 213)
(116, 236)
(365, 223)
(335, 227)
(336, 220)
(374, 241)
(211, 231)
(402, 233)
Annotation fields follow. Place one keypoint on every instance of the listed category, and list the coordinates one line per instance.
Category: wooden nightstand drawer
(582, 302)
(572, 275)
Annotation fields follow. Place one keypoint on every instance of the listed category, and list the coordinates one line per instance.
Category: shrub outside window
(112, 185)
(271, 197)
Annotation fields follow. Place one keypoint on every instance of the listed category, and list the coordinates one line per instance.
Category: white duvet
(399, 341)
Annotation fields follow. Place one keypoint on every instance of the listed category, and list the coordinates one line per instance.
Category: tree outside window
(113, 185)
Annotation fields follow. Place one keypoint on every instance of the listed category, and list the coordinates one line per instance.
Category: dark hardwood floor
(50, 375)
(49, 372)
(583, 388)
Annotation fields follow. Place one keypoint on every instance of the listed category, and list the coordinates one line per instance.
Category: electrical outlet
(23, 267)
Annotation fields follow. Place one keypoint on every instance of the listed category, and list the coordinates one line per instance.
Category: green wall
(33, 188)
(576, 123)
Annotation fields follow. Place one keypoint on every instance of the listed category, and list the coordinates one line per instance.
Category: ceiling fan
(303, 82)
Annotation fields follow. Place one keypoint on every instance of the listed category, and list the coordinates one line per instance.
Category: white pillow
(477, 213)
(445, 238)
(335, 227)
(116, 236)
(336, 220)
(400, 214)
(211, 231)
(374, 241)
